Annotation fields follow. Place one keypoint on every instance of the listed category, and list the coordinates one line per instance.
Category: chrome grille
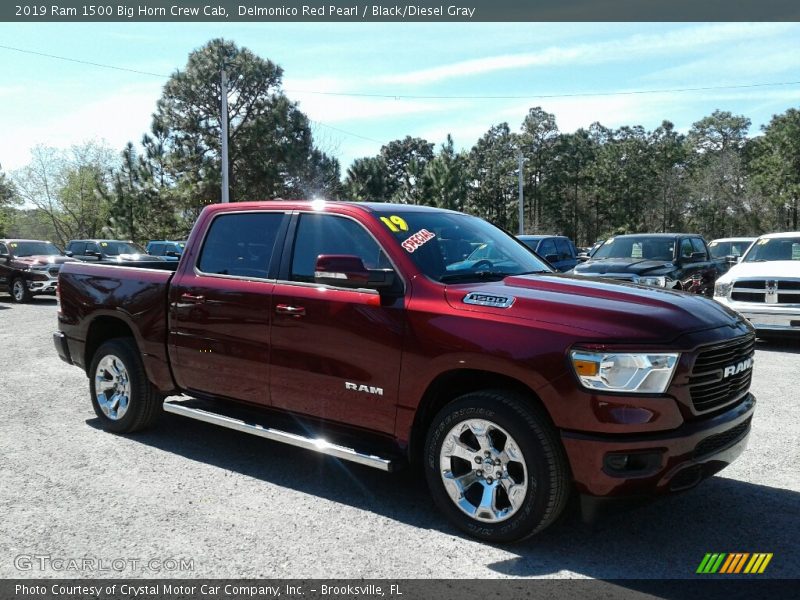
(767, 291)
(708, 386)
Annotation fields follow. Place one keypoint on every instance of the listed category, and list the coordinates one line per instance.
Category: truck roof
(321, 204)
(656, 235)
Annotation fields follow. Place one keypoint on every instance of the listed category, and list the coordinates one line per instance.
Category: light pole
(224, 90)
(521, 198)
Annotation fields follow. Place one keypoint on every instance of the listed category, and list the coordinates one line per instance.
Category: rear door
(221, 308)
(336, 351)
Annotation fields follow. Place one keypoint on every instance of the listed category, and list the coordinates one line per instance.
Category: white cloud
(116, 118)
(634, 47)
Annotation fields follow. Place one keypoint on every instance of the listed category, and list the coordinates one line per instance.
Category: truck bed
(137, 295)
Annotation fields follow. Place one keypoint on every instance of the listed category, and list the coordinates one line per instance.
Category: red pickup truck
(361, 331)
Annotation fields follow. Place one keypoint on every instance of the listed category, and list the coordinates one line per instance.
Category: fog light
(632, 463)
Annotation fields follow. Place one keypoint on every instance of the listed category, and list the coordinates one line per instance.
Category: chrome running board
(316, 444)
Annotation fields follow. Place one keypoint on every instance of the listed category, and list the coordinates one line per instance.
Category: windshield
(116, 248)
(723, 249)
(767, 249)
(34, 249)
(643, 247)
(450, 247)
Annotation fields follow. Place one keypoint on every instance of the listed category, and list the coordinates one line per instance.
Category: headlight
(722, 289)
(645, 373)
(654, 281)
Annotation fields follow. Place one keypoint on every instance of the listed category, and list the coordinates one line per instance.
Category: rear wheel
(495, 466)
(122, 397)
(19, 291)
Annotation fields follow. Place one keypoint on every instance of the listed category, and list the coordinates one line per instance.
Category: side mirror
(698, 256)
(69, 253)
(551, 258)
(171, 253)
(345, 270)
(731, 259)
(5, 256)
(94, 254)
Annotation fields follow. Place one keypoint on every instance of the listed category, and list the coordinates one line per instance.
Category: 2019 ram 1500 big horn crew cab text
(511, 385)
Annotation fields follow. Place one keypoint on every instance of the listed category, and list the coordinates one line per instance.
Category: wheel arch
(448, 386)
(102, 329)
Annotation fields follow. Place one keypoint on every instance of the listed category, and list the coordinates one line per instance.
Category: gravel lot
(240, 506)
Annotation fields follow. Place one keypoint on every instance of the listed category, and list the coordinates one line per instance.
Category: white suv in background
(765, 285)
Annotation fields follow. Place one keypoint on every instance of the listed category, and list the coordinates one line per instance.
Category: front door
(335, 352)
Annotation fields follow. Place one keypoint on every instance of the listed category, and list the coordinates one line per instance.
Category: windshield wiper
(483, 275)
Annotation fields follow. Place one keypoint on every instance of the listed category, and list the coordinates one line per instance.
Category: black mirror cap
(344, 270)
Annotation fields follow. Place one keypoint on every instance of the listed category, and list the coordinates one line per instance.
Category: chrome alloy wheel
(18, 290)
(112, 387)
(483, 470)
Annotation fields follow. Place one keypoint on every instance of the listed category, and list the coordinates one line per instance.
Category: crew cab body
(29, 268)
(668, 260)
(765, 285)
(350, 317)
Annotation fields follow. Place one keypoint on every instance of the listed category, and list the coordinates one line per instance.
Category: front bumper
(667, 462)
(766, 317)
(42, 282)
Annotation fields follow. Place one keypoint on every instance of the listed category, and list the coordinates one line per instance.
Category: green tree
(405, 161)
(367, 180)
(8, 199)
(271, 151)
(492, 176)
(445, 181)
(776, 167)
(537, 140)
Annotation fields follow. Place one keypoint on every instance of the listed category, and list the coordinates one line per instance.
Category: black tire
(144, 402)
(19, 291)
(546, 468)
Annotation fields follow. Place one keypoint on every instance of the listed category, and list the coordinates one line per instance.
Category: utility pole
(225, 187)
(521, 199)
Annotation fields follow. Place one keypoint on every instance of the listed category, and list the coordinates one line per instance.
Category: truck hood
(618, 311)
(623, 265)
(41, 260)
(777, 269)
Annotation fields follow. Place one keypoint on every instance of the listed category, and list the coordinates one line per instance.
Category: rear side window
(77, 248)
(3, 249)
(240, 245)
(157, 249)
(329, 234)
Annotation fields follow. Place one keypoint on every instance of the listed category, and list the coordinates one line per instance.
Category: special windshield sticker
(104, 244)
(423, 236)
(395, 223)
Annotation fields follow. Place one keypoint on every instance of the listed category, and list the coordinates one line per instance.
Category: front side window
(769, 249)
(565, 251)
(3, 249)
(157, 249)
(547, 248)
(453, 247)
(699, 246)
(330, 234)
(240, 245)
(686, 248)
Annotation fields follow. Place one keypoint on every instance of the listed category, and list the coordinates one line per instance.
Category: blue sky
(57, 103)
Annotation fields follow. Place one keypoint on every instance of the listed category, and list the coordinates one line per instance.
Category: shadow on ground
(665, 539)
(788, 343)
(7, 302)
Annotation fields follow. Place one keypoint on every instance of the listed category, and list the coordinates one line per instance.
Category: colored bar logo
(734, 563)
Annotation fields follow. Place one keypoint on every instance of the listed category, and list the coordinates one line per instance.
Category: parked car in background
(29, 268)
(765, 285)
(587, 253)
(115, 251)
(678, 261)
(557, 250)
(732, 248)
(167, 249)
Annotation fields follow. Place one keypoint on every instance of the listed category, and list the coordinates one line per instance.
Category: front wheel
(495, 466)
(122, 397)
(19, 291)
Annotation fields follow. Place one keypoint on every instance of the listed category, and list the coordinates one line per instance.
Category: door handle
(191, 299)
(286, 309)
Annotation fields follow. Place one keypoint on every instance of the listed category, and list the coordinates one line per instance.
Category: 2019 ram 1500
(511, 385)
(29, 268)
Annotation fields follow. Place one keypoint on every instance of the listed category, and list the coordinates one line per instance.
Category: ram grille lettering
(737, 368)
(360, 387)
